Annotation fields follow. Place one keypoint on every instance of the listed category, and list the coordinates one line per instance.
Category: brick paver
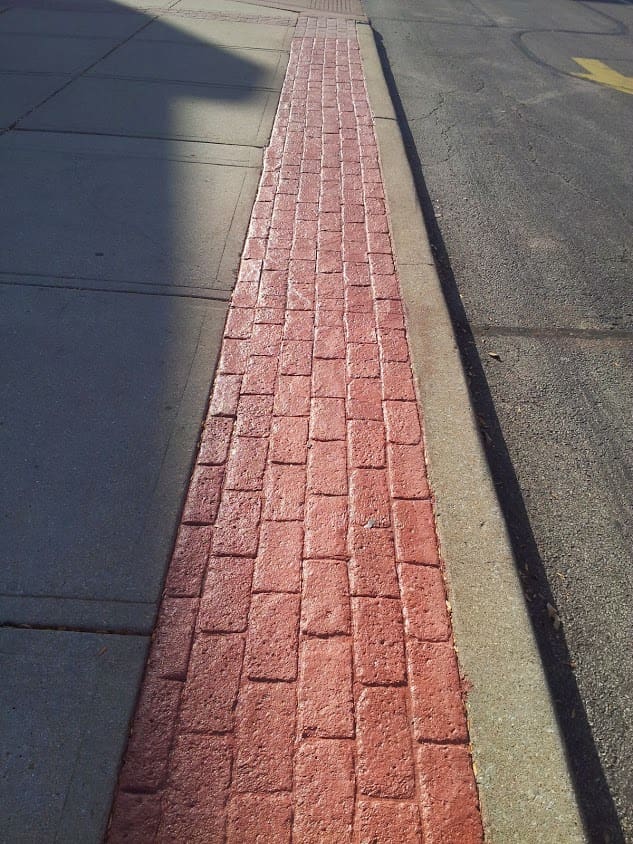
(303, 684)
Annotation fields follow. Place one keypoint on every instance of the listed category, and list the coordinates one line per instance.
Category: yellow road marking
(604, 75)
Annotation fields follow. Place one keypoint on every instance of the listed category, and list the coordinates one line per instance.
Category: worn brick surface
(193, 803)
(325, 688)
(385, 758)
(324, 793)
(386, 821)
(226, 595)
(414, 529)
(438, 711)
(378, 640)
(325, 606)
(271, 645)
(260, 819)
(448, 794)
(302, 671)
(210, 692)
(424, 603)
(189, 561)
(278, 563)
(265, 737)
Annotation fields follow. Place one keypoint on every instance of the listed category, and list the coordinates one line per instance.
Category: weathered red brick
(327, 467)
(226, 596)
(414, 531)
(450, 807)
(299, 325)
(225, 395)
(381, 264)
(278, 563)
(403, 422)
(244, 294)
(269, 316)
(324, 794)
(194, 802)
(261, 373)
(325, 688)
(407, 471)
(379, 242)
(272, 641)
(360, 327)
(362, 360)
(359, 300)
(210, 692)
(364, 399)
(237, 527)
(266, 339)
(260, 819)
(265, 737)
(284, 492)
(325, 608)
(254, 415)
(372, 567)
(329, 342)
(293, 395)
(384, 821)
(203, 497)
(389, 313)
(377, 223)
(356, 269)
(147, 755)
(326, 526)
(300, 296)
(385, 759)
(329, 286)
(397, 381)
(296, 357)
(289, 439)
(171, 642)
(369, 497)
(424, 603)
(328, 379)
(276, 259)
(247, 460)
(216, 436)
(239, 323)
(135, 817)
(366, 443)
(327, 419)
(233, 357)
(378, 640)
(250, 269)
(385, 286)
(438, 710)
(393, 345)
(189, 561)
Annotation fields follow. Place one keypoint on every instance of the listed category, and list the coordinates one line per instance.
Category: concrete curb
(525, 786)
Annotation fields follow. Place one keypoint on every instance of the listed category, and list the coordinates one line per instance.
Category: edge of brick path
(525, 786)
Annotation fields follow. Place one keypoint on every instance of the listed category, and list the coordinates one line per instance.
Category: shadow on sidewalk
(129, 163)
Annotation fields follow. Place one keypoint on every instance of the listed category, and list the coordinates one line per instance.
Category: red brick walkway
(302, 683)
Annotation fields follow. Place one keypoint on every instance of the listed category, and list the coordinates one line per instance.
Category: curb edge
(525, 786)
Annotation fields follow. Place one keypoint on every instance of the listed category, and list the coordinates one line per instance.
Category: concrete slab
(182, 111)
(220, 32)
(104, 395)
(66, 700)
(51, 54)
(232, 7)
(193, 60)
(21, 92)
(114, 22)
(124, 211)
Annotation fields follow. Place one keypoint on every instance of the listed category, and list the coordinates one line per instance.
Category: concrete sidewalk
(302, 679)
(130, 154)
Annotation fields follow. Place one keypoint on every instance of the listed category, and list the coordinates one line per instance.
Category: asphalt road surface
(525, 171)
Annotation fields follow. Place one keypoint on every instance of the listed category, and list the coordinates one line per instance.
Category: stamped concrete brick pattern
(303, 685)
